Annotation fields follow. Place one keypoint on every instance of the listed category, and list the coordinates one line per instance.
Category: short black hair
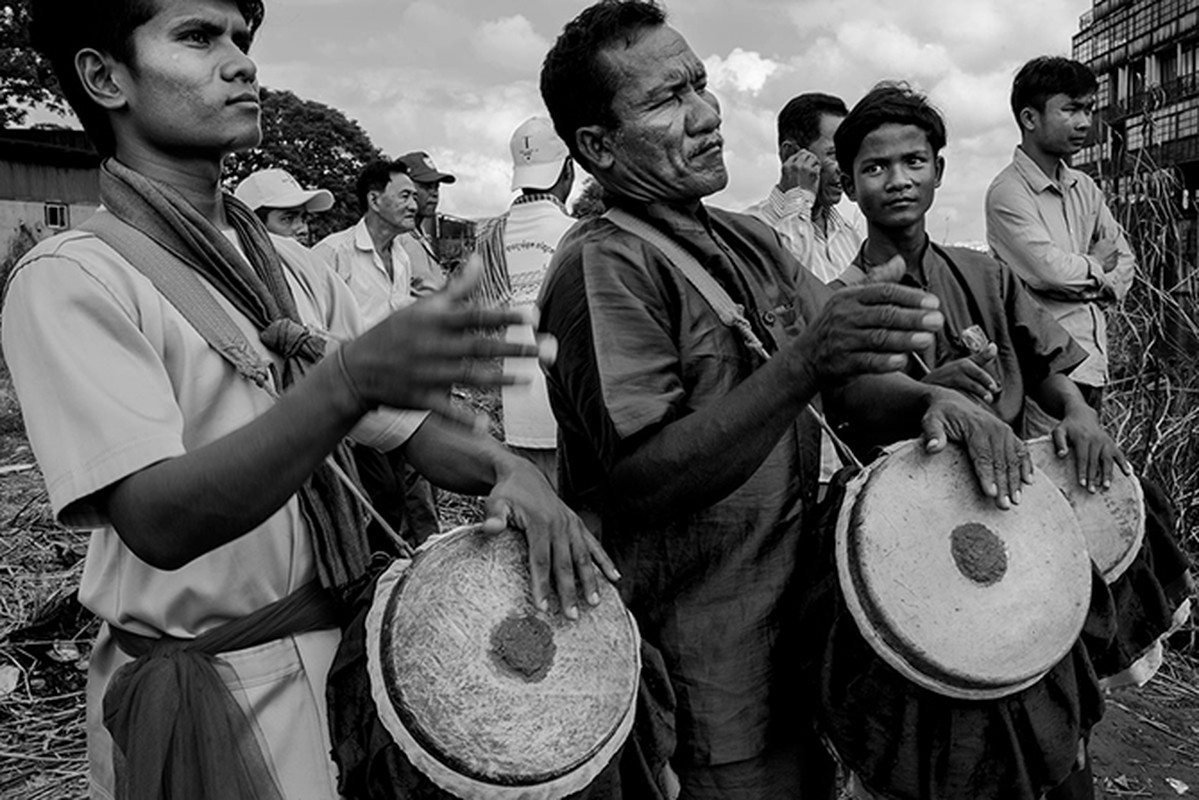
(887, 103)
(374, 177)
(799, 121)
(1045, 76)
(59, 29)
(576, 86)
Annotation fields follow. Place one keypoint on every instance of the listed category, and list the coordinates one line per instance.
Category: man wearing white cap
(427, 273)
(282, 203)
(516, 248)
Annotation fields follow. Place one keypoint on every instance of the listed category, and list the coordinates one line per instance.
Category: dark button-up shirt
(640, 348)
(975, 289)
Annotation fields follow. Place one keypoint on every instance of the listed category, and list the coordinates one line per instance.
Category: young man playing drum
(168, 363)
(999, 346)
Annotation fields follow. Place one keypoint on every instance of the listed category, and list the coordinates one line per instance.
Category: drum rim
(448, 772)
(873, 626)
(1118, 567)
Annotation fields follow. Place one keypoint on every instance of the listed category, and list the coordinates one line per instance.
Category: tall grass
(1153, 401)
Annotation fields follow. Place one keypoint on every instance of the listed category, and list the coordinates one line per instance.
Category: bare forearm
(701, 458)
(455, 459)
(179, 509)
(1058, 395)
(884, 408)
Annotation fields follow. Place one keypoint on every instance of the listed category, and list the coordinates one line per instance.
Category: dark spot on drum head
(524, 647)
(979, 553)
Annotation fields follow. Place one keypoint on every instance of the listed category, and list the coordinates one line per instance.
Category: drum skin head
(1112, 520)
(962, 598)
(488, 696)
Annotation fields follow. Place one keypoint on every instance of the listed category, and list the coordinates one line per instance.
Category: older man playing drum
(682, 409)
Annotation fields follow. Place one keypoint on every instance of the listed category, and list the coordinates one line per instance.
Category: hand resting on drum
(516, 495)
(871, 329)
(1095, 452)
(1000, 459)
(559, 543)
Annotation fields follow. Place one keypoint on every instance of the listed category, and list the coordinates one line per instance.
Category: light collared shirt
(351, 254)
(113, 378)
(1046, 230)
(427, 274)
(826, 253)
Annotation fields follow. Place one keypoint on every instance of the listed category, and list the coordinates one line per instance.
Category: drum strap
(730, 313)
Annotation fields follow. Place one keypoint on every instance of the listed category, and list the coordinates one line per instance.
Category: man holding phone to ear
(802, 207)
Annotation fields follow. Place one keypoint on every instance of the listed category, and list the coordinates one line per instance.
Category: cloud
(892, 52)
(455, 77)
(744, 71)
(511, 43)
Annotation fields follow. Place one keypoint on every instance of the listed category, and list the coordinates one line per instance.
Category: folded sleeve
(607, 308)
(97, 400)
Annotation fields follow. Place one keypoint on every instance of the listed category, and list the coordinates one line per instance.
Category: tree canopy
(26, 80)
(318, 145)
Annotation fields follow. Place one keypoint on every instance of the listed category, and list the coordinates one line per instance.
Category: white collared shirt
(351, 254)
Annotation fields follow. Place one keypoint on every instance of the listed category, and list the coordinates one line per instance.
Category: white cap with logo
(537, 155)
(276, 188)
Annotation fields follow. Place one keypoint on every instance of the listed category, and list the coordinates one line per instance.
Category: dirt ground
(1146, 747)
(1148, 742)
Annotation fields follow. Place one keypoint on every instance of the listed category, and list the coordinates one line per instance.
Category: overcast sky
(455, 77)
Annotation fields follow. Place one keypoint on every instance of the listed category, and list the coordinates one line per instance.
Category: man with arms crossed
(802, 207)
(222, 539)
(1050, 223)
(693, 452)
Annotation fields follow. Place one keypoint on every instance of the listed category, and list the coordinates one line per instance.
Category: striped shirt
(826, 255)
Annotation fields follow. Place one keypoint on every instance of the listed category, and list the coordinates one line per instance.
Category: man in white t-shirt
(516, 249)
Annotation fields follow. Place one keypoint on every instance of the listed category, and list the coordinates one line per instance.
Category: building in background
(1145, 54)
(452, 239)
(49, 182)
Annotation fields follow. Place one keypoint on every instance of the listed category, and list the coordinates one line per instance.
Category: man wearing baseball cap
(427, 273)
(281, 203)
(516, 249)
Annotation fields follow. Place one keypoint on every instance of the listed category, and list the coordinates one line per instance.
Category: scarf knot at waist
(177, 730)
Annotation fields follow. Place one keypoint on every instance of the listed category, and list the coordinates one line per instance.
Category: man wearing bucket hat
(516, 248)
(427, 273)
(282, 203)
